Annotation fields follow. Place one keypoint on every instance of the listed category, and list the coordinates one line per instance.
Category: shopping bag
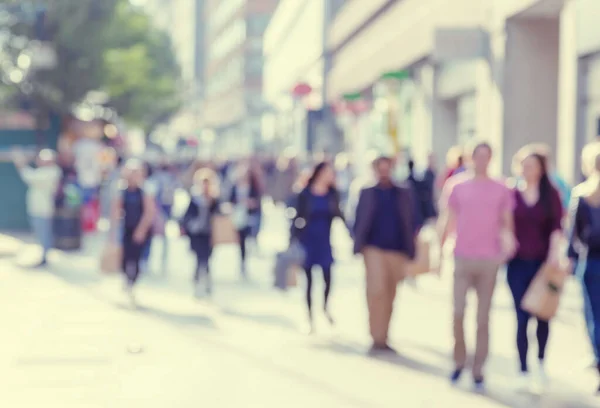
(286, 265)
(543, 295)
(111, 259)
(293, 276)
(425, 260)
(224, 231)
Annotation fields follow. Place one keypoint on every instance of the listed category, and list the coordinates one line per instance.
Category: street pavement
(70, 339)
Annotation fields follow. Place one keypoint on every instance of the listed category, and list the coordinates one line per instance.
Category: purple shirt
(479, 206)
(535, 224)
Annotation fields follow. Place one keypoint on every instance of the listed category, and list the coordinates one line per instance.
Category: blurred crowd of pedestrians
(400, 218)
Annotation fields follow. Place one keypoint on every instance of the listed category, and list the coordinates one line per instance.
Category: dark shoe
(455, 377)
(479, 384)
(42, 264)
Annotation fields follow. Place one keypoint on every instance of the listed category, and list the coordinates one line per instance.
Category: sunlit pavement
(69, 339)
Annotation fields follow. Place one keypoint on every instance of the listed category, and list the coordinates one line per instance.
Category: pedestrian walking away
(481, 208)
(197, 224)
(538, 214)
(134, 209)
(385, 227)
(316, 208)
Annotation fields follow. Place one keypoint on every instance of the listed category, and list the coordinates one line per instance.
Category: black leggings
(202, 265)
(132, 255)
(309, 280)
(243, 237)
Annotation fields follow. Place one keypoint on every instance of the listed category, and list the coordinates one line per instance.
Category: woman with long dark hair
(538, 213)
(316, 207)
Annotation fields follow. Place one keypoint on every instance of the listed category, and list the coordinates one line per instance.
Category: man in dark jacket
(385, 227)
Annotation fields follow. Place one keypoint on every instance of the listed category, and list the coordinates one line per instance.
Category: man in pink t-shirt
(479, 208)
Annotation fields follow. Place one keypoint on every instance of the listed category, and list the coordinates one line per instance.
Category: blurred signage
(17, 121)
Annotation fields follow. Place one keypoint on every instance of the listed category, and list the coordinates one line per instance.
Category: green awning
(397, 75)
(349, 97)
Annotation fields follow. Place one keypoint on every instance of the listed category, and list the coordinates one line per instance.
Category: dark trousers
(132, 255)
(202, 247)
(244, 234)
(309, 281)
(591, 288)
(520, 274)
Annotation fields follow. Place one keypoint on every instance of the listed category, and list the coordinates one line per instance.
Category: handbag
(286, 264)
(111, 259)
(543, 295)
(425, 260)
(224, 231)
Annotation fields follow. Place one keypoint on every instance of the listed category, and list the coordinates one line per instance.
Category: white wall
(292, 49)
(588, 29)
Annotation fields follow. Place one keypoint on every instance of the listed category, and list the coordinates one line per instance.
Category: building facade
(234, 102)
(501, 70)
(295, 67)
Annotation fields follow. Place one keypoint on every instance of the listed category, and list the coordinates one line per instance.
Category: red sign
(301, 89)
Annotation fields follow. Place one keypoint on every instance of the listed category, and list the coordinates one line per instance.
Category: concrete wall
(294, 47)
(530, 84)
(588, 30)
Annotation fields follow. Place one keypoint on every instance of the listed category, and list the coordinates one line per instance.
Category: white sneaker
(541, 378)
(200, 289)
(524, 382)
(130, 295)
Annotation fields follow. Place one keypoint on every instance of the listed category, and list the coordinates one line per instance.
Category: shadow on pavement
(263, 319)
(181, 319)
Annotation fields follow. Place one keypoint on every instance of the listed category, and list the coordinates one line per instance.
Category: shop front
(407, 112)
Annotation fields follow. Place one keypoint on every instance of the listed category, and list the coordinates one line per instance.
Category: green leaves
(111, 46)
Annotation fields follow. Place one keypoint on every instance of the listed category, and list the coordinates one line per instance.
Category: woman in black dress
(197, 223)
(133, 211)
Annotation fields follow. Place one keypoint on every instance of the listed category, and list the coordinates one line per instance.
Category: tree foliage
(109, 46)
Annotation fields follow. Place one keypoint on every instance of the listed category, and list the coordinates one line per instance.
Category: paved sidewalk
(71, 342)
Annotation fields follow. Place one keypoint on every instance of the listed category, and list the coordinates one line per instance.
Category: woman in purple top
(538, 213)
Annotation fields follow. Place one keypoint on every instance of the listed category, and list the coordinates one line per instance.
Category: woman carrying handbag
(538, 213)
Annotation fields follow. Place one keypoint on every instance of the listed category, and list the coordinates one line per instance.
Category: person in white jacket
(42, 183)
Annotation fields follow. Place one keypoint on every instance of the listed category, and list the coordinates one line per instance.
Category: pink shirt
(479, 205)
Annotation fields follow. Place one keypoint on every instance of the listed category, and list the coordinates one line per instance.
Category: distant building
(234, 71)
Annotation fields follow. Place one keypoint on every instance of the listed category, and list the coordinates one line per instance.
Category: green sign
(350, 97)
(397, 75)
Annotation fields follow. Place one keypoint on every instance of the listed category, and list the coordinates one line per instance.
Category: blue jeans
(520, 274)
(42, 229)
(591, 295)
